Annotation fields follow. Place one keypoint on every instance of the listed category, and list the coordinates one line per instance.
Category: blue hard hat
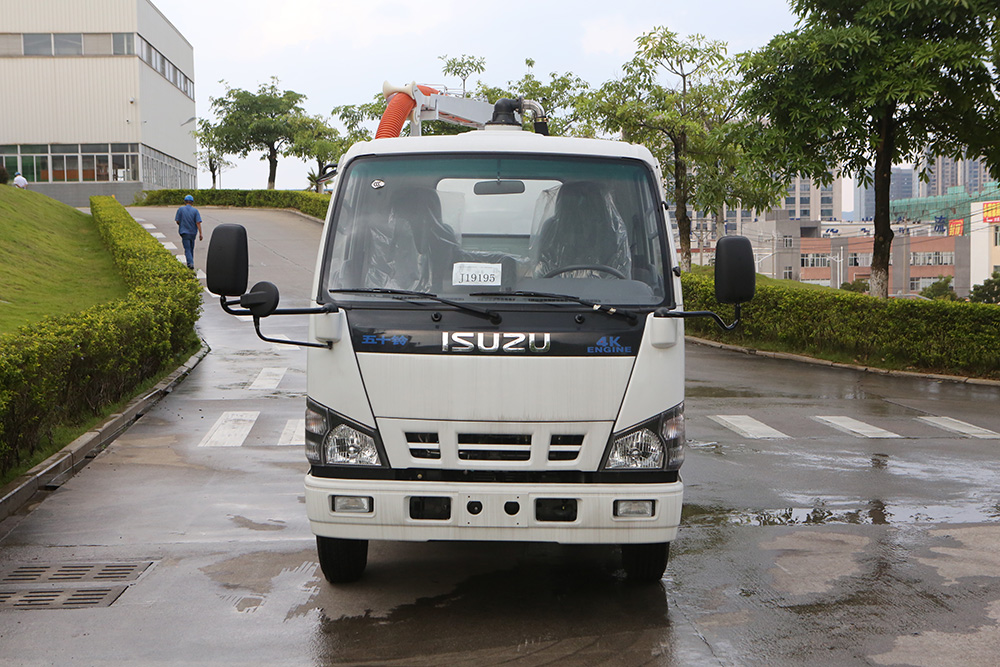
(17, 173)
(188, 198)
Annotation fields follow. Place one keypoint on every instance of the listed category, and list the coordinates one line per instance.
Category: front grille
(424, 445)
(494, 447)
(565, 447)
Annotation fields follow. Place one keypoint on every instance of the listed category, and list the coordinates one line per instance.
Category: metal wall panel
(70, 16)
(165, 111)
(158, 31)
(70, 100)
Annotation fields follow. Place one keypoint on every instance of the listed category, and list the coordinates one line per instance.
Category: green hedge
(948, 337)
(62, 369)
(309, 203)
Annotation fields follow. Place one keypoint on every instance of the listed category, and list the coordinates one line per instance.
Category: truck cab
(496, 347)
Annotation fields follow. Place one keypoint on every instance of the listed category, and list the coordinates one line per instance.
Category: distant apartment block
(901, 186)
(944, 173)
(97, 98)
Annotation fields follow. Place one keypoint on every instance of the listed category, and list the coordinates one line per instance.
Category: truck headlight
(656, 444)
(335, 440)
(345, 445)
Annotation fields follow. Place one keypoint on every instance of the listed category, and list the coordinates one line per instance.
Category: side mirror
(227, 261)
(261, 300)
(735, 277)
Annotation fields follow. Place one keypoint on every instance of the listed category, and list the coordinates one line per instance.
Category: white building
(96, 98)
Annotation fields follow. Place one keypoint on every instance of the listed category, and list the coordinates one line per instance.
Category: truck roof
(504, 140)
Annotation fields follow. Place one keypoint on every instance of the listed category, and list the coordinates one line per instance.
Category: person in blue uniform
(188, 221)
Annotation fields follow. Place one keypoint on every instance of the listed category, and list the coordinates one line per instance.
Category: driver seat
(583, 231)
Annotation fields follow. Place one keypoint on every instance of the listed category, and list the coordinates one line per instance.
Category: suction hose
(401, 103)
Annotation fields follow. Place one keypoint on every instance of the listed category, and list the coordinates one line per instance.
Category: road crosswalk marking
(268, 378)
(855, 427)
(747, 426)
(159, 235)
(169, 245)
(294, 433)
(280, 347)
(960, 427)
(230, 429)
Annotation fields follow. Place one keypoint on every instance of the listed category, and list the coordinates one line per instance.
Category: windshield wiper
(629, 315)
(491, 315)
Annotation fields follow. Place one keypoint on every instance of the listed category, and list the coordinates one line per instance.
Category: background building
(944, 173)
(96, 97)
(902, 186)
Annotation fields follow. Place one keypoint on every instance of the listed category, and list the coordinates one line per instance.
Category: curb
(55, 470)
(960, 379)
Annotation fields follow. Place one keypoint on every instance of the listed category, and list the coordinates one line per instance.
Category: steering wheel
(586, 267)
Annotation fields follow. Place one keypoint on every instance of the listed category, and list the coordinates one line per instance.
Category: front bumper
(595, 522)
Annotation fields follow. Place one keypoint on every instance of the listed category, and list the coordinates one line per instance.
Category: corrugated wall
(70, 100)
(69, 16)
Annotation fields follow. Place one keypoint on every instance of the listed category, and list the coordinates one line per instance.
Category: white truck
(496, 346)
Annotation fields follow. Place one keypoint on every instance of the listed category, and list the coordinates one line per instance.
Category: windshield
(492, 228)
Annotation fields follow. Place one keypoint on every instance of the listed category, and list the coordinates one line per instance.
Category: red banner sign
(956, 227)
(991, 212)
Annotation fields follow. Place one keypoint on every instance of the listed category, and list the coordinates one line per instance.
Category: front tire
(342, 561)
(645, 562)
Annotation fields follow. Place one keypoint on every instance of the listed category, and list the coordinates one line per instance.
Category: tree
(263, 121)
(940, 289)
(210, 155)
(463, 67)
(988, 292)
(864, 84)
(688, 122)
(315, 139)
(565, 98)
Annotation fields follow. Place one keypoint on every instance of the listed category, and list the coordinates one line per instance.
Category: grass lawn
(52, 260)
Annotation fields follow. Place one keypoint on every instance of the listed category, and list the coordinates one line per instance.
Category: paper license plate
(475, 273)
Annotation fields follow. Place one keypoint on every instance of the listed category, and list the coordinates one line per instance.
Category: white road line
(169, 245)
(960, 427)
(268, 378)
(244, 318)
(281, 347)
(181, 258)
(230, 430)
(294, 433)
(159, 235)
(147, 225)
(200, 275)
(855, 427)
(747, 426)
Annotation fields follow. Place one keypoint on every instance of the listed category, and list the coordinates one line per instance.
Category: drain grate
(74, 572)
(67, 585)
(56, 598)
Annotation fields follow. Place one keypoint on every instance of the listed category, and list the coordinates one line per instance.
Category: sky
(340, 51)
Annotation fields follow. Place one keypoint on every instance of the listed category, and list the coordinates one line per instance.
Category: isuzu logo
(514, 343)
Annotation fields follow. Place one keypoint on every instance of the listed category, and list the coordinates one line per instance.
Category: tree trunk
(681, 201)
(272, 164)
(885, 151)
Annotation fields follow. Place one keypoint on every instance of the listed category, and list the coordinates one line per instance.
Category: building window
(936, 258)
(789, 201)
(826, 200)
(814, 260)
(996, 235)
(859, 259)
(123, 44)
(37, 44)
(826, 213)
(68, 44)
(803, 200)
(787, 273)
(804, 213)
(787, 241)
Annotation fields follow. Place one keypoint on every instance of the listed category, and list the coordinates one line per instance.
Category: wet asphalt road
(821, 548)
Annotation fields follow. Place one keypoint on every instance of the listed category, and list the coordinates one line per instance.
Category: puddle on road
(873, 512)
